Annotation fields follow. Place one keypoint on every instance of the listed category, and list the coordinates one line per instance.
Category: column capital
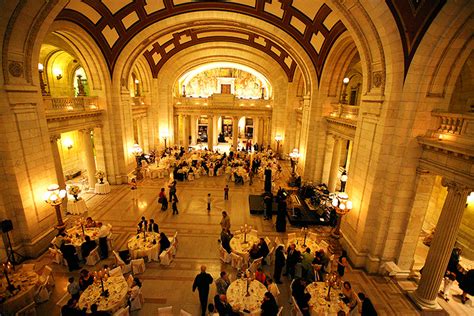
(86, 130)
(421, 171)
(54, 138)
(457, 187)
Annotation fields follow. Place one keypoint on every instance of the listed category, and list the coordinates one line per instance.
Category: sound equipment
(268, 180)
(6, 225)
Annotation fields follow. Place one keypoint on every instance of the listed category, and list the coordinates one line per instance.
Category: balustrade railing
(228, 100)
(345, 111)
(453, 123)
(65, 104)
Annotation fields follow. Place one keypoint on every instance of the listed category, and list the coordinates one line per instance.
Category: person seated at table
(73, 288)
(260, 276)
(134, 292)
(226, 236)
(321, 262)
(85, 279)
(254, 252)
(69, 253)
(58, 241)
(153, 227)
(303, 304)
(143, 224)
(269, 305)
(223, 307)
(350, 298)
(104, 231)
(263, 250)
(211, 310)
(90, 223)
(164, 243)
(87, 246)
(297, 289)
(95, 312)
(222, 283)
(71, 308)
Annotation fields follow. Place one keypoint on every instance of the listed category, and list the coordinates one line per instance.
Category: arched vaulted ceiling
(113, 23)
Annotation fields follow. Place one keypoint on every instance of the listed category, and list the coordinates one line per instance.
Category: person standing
(162, 199)
(209, 200)
(153, 227)
(172, 188)
(174, 206)
(366, 308)
(222, 283)
(342, 264)
(226, 192)
(202, 282)
(292, 260)
(225, 221)
(104, 232)
(279, 264)
(134, 188)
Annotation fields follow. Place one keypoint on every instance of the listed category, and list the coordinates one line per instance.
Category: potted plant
(100, 175)
(74, 190)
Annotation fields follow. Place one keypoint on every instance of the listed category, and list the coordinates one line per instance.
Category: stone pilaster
(329, 148)
(186, 129)
(193, 129)
(175, 131)
(90, 159)
(57, 165)
(210, 131)
(441, 246)
(336, 157)
(235, 131)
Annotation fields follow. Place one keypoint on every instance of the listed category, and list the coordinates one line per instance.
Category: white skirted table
(302, 244)
(140, 247)
(239, 247)
(27, 281)
(117, 288)
(239, 299)
(102, 188)
(319, 304)
(76, 207)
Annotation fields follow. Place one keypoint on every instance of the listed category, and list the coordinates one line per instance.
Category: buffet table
(117, 287)
(76, 207)
(102, 188)
(239, 247)
(27, 281)
(319, 304)
(237, 295)
(140, 247)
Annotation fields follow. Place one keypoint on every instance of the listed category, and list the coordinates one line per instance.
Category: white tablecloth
(118, 289)
(236, 295)
(140, 247)
(76, 207)
(309, 243)
(239, 247)
(27, 280)
(319, 304)
(102, 188)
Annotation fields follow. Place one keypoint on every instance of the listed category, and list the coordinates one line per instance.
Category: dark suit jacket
(153, 228)
(292, 259)
(202, 282)
(87, 247)
(142, 223)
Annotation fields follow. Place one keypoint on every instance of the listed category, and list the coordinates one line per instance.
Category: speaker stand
(11, 253)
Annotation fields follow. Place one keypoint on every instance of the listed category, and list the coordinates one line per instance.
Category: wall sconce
(137, 87)
(57, 73)
(42, 84)
(68, 143)
(345, 82)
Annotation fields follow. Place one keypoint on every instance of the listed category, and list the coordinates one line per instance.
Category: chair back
(28, 310)
(166, 257)
(256, 264)
(124, 311)
(268, 241)
(236, 261)
(254, 232)
(28, 267)
(165, 311)
(56, 255)
(280, 311)
(138, 266)
(278, 241)
(116, 271)
(296, 308)
(118, 260)
(93, 257)
(184, 313)
(271, 255)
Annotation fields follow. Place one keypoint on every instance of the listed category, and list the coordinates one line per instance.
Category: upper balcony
(223, 100)
(345, 111)
(70, 104)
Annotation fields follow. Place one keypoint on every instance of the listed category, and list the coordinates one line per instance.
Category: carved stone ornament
(15, 68)
(377, 79)
(458, 188)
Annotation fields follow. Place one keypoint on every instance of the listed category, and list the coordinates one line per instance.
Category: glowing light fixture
(54, 197)
(58, 73)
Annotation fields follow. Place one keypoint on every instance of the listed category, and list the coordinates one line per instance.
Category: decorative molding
(413, 17)
(15, 68)
(309, 31)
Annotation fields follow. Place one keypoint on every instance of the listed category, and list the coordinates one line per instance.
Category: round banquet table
(77, 238)
(139, 247)
(117, 298)
(236, 295)
(102, 188)
(318, 303)
(76, 207)
(310, 243)
(239, 247)
(28, 283)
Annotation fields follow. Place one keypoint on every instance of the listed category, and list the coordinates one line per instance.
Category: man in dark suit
(69, 253)
(223, 307)
(153, 227)
(292, 258)
(202, 282)
(143, 223)
(87, 246)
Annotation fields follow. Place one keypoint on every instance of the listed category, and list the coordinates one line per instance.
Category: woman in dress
(269, 306)
(342, 264)
(163, 200)
(133, 188)
(279, 263)
(351, 298)
(135, 297)
(164, 243)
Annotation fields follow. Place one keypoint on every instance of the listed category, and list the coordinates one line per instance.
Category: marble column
(175, 131)
(57, 165)
(193, 129)
(90, 159)
(210, 131)
(441, 246)
(186, 127)
(329, 148)
(268, 124)
(256, 126)
(336, 158)
(235, 132)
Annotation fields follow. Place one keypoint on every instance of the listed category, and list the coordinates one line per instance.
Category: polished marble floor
(198, 233)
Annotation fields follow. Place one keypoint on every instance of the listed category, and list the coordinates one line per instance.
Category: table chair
(56, 255)
(116, 271)
(28, 267)
(280, 310)
(28, 310)
(93, 258)
(268, 241)
(256, 264)
(42, 294)
(126, 268)
(138, 266)
(184, 313)
(236, 261)
(166, 257)
(165, 311)
(296, 308)
(124, 311)
(278, 241)
(138, 302)
(224, 255)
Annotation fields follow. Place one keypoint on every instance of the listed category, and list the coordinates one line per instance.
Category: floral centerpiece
(74, 190)
(100, 175)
